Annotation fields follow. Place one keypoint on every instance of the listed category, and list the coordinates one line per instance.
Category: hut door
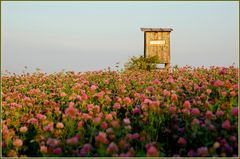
(154, 46)
(151, 49)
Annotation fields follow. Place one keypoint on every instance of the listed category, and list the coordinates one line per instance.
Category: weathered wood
(156, 29)
(157, 43)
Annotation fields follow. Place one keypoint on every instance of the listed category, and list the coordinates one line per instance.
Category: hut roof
(157, 29)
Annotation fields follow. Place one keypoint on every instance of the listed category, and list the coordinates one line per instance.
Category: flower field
(188, 112)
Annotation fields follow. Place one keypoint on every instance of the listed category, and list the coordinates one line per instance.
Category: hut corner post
(144, 44)
(167, 66)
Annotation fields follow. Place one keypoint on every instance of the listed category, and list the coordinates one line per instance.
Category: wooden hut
(157, 43)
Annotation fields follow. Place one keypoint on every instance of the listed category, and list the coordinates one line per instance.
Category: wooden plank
(152, 49)
(157, 29)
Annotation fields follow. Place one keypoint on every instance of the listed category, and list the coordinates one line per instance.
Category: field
(188, 112)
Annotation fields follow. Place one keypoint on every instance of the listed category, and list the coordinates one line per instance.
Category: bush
(141, 63)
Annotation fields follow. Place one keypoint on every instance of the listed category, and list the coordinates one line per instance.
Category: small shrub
(141, 63)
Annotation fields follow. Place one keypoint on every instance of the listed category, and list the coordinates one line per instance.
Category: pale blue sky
(86, 36)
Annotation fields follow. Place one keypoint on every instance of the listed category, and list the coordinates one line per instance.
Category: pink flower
(5, 133)
(129, 136)
(4, 144)
(149, 89)
(126, 121)
(233, 138)
(109, 131)
(233, 93)
(72, 141)
(101, 138)
(123, 144)
(156, 81)
(59, 125)
(109, 117)
(96, 121)
(211, 127)
(235, 86)
(224, 94)
(71, 111)
(80, 124)
(84, 96)
(154, 104)
(131, 152)
(191, 153)
(79, 98)
(174, 97)
(100, 94)
(86, 149)
(62, 94)
(104, 125)
(93, 88)
(137, 111)
(135, 136)
(23, 129)
(182, 141)
(115, 124)
(26, 99)
(33, 121)
(187, 104)
(127, 100)
(216, 145)
(166, 93)
(152, 152)
(71, 104)
(235, 111)
(219, 113)
(186, 111)
(113, 113)
(112, 148)
(172, 109)
(57, 151)
(116, 106)
(119, 100)
(202, 151)
(48, 127)
(52, 142)
(147, 101)
(43, 149)
(171, 80)
(124, 155)
(41, 117)
(226, 125)
(90, 107)
(96, 109)
(17, 143)
(12, 153)
(208, 91)
(195, 111)
(86, 116)
(195, 121)
(78, 136)
(209, 114)
(46, 102)
(218, 83)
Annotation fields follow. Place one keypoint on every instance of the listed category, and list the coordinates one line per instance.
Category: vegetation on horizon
(142, 63)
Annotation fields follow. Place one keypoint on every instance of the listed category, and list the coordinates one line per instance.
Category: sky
(89, 36)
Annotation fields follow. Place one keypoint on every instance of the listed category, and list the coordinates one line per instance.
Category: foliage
(141, 63)
(189, 112)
